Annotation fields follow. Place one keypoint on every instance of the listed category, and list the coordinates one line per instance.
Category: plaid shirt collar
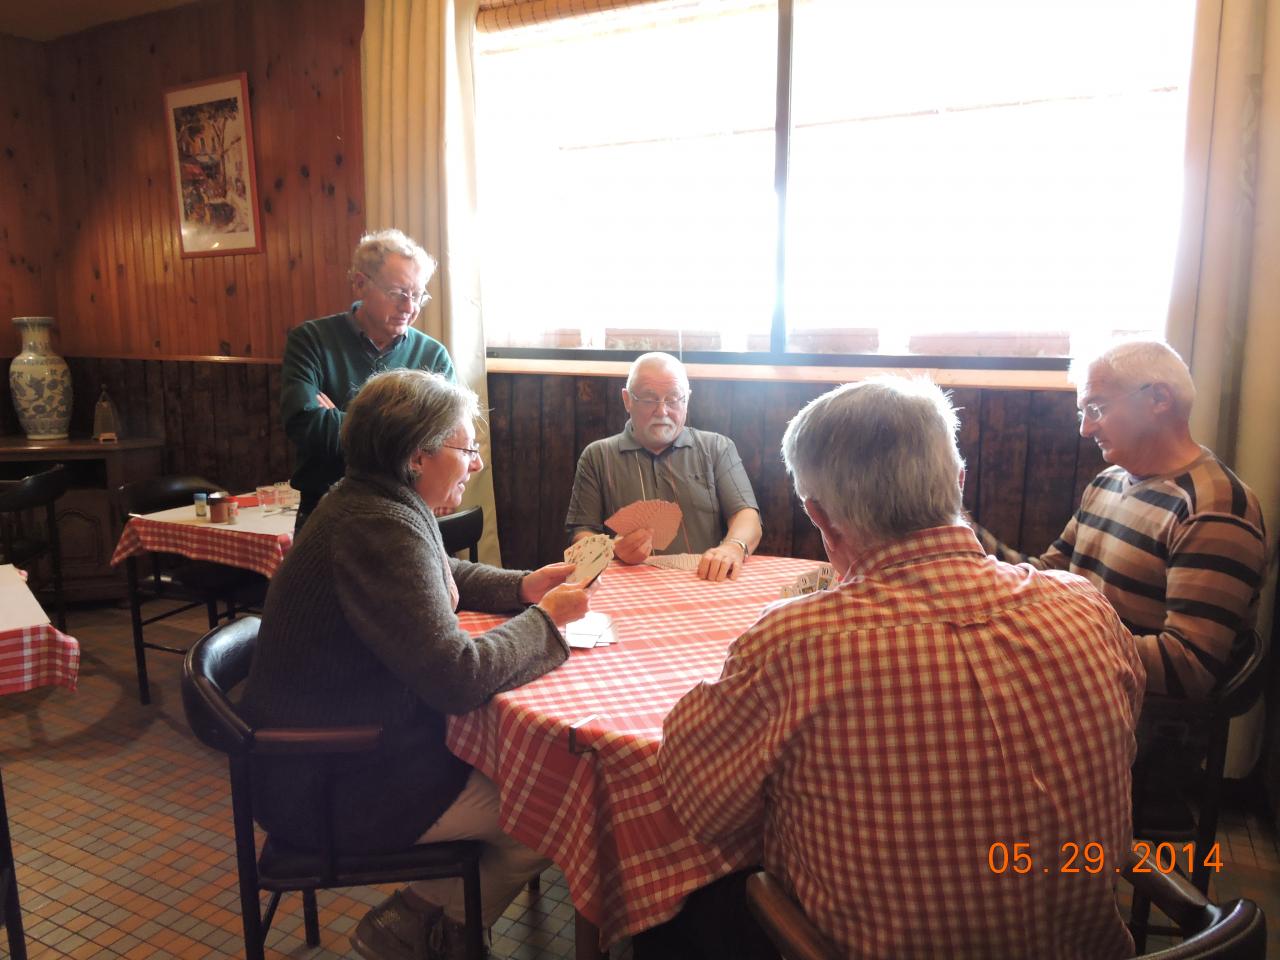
(917, 547)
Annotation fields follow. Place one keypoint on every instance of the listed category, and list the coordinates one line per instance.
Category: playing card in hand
(819, 578)
(591, 554)
(661, 517)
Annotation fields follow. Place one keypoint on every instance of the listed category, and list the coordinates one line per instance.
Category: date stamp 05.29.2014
(1093, 857)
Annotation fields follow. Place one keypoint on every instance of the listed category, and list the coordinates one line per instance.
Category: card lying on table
(593, 630)
(675, 561)
(819, 578)
(661, 517)
(591, 554)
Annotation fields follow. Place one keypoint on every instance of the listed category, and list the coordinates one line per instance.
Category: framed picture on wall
(211, 148)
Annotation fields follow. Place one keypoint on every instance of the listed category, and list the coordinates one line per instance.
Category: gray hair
(654, 359)
(374, 248)
(399, 412)
(880, 456)
(1135, 363)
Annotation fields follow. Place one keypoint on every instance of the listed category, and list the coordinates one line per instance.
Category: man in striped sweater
(1168, 533)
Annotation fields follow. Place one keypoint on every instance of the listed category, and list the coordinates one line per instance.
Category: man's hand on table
(635, 547)
(721, 562)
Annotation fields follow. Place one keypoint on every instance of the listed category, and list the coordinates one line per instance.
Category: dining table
(33, 653)
(574, 753)
(258, 540)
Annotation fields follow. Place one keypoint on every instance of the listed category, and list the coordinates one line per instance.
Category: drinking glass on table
(268, 498)
(287, 497)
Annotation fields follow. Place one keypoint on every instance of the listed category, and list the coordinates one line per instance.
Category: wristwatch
(745, 552)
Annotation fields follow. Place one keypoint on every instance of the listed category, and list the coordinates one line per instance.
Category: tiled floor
(122, 829)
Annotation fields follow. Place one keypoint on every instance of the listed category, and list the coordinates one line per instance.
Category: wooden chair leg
(135, 614)
(535, 883)
(310, 918)
(1139, 919)
(55, 552)
(10, 910)
(474, 917)
(211, 607)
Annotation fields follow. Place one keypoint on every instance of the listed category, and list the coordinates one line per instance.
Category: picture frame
(210, 137)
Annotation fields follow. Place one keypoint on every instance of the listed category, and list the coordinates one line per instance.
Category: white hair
(880, 456)
(655, 359)
(1136, 363)
(374, 248)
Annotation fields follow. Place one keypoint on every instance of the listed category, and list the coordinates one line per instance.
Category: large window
(980, 177)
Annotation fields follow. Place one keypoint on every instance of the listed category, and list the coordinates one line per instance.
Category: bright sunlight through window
(986, 177)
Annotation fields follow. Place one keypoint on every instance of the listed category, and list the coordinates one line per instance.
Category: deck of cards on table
(660, 517)
(593, 630)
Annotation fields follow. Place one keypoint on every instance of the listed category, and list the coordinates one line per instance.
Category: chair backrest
(161, 493)
(1234, 930)
(214, 664)
(461, 531)
(37, 490)
(784, 921)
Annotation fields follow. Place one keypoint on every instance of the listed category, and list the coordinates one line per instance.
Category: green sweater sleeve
(313, 430)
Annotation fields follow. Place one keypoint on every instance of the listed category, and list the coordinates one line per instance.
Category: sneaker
(395, 930)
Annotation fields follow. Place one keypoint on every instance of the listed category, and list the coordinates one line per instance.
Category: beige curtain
(1225, 311)
(419, 153)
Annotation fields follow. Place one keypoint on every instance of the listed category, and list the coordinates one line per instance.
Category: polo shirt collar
(629, 443)
(364, 337)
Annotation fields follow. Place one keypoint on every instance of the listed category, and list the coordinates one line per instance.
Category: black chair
(461, 531)
(10, 912)
(1192, 816)
(21, 542)
(1236, 930)
(213, 666)
(193, 583)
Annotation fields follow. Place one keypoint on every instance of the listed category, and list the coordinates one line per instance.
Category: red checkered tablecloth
(238, 546)
(37, 656)
(601, 815)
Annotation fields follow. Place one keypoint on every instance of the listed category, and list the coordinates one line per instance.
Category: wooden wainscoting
(217, 420)
(1026, 463)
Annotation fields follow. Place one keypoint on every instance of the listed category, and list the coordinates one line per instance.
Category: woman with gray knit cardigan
(359, 628)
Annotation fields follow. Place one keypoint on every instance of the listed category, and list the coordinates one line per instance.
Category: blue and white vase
(40, 382)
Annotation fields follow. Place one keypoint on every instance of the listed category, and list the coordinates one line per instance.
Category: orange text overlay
(1093, 857)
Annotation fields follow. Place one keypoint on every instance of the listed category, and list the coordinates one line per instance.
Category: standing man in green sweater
(327, 360)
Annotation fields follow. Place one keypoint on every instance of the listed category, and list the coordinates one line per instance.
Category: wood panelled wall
(122, 288)
(218, 420)
(28, 209)
(1026, 463)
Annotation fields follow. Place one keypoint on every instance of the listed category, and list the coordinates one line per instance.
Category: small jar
(218, 507)
(202, 504)
(233, 510)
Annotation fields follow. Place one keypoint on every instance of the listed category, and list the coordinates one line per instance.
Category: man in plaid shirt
(925, 750)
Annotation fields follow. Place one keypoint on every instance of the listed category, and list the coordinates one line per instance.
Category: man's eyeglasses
(1093, 412)
(473, 453)
(398, 295)
(652, 403)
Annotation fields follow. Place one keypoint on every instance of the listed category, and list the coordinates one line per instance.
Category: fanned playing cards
(591, 554)
(661, 517)
(820, 577)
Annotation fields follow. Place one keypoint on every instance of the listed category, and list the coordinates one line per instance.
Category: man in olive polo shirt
(656, 457)
(327, 360)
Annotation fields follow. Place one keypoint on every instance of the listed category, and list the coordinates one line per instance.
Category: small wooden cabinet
(87, 524)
